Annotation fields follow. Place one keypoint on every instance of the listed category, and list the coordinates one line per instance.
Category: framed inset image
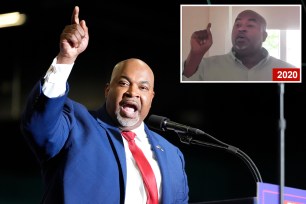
(241, 43)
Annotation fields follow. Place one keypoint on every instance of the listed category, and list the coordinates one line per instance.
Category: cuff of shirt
(56, 79)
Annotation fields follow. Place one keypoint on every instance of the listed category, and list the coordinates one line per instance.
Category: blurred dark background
(244, 115)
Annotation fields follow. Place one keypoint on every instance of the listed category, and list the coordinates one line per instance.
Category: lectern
(250, 200)
(267, 194)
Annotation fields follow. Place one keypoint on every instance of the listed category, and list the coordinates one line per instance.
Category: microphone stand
(187, 139)
(282, 126)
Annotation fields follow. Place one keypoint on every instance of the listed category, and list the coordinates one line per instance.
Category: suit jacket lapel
(161, 156)
(114, 136)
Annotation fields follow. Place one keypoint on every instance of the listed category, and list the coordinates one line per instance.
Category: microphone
(163, 123)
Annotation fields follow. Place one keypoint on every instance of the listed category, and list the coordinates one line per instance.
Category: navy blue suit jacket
(82, 155)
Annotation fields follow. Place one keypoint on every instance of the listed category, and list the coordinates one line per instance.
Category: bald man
(246, 61)
(83, 154)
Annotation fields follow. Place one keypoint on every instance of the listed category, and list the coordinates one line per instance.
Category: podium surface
(249, 200)
(267, 194)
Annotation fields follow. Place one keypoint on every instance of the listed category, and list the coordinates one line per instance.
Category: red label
(286, 74)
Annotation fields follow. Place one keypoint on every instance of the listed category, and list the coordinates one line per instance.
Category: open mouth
(241, 38)
(129, 108)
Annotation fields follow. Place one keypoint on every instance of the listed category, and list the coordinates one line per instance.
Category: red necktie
(144, 167)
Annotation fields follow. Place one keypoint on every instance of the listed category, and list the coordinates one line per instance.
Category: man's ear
(106, 90)
(264, 37)
(153, 94)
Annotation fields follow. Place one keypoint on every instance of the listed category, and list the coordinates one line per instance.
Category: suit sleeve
(46, 122)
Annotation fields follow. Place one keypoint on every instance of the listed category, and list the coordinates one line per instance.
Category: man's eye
(123, 83)
(145, 88)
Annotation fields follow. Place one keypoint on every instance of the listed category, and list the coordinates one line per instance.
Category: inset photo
(241, 43)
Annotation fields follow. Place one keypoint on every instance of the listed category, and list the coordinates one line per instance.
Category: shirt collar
(265, 53)
(263, 50)
(139, 131)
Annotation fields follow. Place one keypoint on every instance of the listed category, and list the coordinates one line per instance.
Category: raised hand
(200, 43)
(73, 40)
(201, 40)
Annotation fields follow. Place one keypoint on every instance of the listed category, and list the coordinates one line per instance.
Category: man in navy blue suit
(82, 154)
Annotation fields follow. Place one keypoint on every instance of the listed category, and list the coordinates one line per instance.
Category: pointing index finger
(75, 15)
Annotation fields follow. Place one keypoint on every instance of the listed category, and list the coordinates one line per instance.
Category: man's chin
(240, 48)
(127, 122)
